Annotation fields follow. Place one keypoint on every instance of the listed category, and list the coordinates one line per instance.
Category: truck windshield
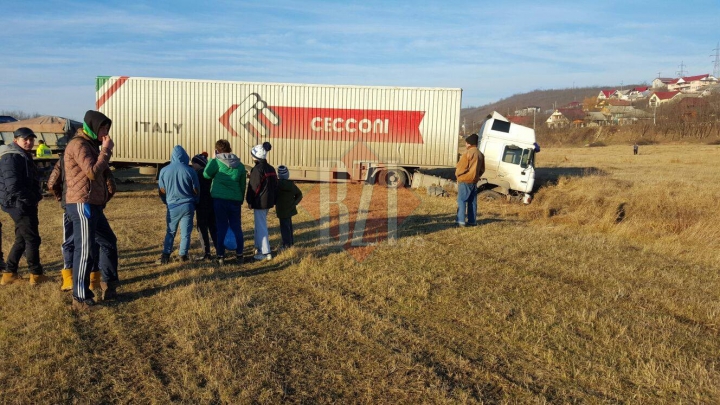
(518, 156)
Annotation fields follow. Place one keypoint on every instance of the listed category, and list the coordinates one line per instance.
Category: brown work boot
(36, 279)
(10, 278)
(109, 290)
(95, 283)
(87, 305)
(67, 281)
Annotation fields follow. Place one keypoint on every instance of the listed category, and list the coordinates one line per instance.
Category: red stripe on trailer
(119, 82)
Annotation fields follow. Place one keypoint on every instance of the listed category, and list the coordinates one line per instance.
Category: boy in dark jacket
(261, 196)
(204, 211)
(288, 197)
(19, 196)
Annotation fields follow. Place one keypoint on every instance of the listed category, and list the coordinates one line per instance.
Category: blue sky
(53, 50)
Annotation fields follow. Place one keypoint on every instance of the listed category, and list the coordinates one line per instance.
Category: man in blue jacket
(20, 195)
(180, 190)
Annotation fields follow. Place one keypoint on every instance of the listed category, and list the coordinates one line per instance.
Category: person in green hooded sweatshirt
(228, 177)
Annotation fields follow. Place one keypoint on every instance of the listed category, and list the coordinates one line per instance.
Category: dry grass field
(605, 289)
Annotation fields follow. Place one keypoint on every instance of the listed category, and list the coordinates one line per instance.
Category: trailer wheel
(392, 178)
(489, 195)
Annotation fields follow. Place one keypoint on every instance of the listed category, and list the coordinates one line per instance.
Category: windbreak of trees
(19, 115)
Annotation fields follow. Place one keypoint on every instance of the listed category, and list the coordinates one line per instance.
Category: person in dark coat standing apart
(635, 149)
(20, 194)
(468, 171)
(261, 196)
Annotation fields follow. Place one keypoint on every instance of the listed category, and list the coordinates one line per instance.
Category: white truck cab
(509, 151)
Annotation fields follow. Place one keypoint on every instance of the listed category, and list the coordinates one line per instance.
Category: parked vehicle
(321, 132)
(509, 151)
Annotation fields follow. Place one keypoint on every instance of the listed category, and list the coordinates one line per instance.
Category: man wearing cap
(20, 195)
(85, 197)
(468, 171)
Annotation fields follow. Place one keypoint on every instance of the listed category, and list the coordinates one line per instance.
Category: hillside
(545, 99)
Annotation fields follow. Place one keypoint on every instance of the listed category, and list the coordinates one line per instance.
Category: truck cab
(509, 151)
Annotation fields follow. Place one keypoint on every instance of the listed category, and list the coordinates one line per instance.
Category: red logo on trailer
(263, 121)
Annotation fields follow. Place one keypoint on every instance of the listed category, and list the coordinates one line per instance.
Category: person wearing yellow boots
(58, 187)
(20, 195)
(86, 195)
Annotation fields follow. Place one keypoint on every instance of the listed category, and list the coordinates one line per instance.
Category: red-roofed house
(617, 102)
(639, 92)
(691, 84)
(662, 97)
(605, 94)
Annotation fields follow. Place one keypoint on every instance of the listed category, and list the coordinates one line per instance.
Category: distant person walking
(20, 195)
(288, 197)
(261, 196)
(204, 210)
(635, 149)
(179, 189)
(85, 166)
(229, 178)
(468, 171)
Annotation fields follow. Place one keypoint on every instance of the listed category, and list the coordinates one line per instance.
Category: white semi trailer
(321, 132)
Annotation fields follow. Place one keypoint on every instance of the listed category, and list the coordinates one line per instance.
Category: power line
(681, 72)
(716, 68)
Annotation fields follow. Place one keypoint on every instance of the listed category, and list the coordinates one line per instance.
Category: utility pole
(681, 72)
(716, 67)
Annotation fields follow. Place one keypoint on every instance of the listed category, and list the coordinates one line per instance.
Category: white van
(509, 151)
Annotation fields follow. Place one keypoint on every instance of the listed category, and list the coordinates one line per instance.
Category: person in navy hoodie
(179, 189)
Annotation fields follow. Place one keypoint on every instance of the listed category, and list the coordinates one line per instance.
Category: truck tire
(489, 195)
(392, 178)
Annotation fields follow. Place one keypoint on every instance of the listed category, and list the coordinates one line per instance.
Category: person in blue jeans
(180, 189)
(229, 178)
(467, 172)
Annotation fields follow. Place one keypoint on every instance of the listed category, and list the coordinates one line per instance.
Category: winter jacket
(205, 202)
(288, 197)
(179, 180)
(262, 190)
(57, 185)
(228, 177)
(85, 171)
(43, 151)
(19, 180)
(471, 166)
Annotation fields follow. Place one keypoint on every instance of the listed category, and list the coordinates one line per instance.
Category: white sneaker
(261, 256)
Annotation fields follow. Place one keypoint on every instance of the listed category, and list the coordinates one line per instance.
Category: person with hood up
(57, 185)
(179, 189)
(288, 197)
(85, 166)
(261, 196)
(228, 177)
(20, 194)
(204, 210)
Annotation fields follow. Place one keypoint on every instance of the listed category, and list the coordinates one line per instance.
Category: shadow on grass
(547, 176)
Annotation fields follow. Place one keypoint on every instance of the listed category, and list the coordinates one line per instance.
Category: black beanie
(472, 139)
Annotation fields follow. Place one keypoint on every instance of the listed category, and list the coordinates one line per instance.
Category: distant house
(557, 120)
(662, 97)
(620, 94)
(691, 84)
(639, 93)
(595, 118)
(624, 115)
(575, 116)
(605, 94)
(525, 120)
(661, 82)
(530, 110)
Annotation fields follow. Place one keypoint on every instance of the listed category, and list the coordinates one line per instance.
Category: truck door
(516, 168)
